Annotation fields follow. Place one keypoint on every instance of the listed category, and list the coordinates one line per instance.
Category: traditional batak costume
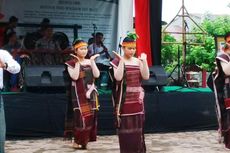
(81, 119)
(128, 97)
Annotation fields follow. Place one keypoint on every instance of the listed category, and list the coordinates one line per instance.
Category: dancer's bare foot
(78, 146)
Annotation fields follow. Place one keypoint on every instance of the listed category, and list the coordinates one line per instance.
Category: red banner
(142, 26)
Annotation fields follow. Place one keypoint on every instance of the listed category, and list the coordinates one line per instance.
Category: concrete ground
(181, 142)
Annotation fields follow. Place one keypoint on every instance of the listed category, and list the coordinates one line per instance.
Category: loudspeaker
(44, 78)
(158, 78)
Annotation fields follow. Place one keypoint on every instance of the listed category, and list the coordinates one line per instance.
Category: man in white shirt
(9, 64)
(98, 47)
(103, 60)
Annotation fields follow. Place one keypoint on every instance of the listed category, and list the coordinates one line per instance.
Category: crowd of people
(47, 51)
(38, 56)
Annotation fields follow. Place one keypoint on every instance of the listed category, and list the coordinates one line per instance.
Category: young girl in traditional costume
(128, 96)
(81, 122)
(222, 91)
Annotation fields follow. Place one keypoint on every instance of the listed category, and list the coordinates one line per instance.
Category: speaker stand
(181, 80)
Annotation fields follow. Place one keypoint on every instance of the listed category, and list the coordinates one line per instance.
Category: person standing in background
(9, 64)
(13, 46)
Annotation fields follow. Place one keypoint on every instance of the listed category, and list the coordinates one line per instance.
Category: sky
(170, 8)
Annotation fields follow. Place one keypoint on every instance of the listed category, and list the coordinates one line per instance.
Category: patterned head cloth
(130, 40)
(79, 43)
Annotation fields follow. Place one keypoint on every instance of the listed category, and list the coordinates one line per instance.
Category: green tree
(216, 26)
(202, 55)
(169, 53)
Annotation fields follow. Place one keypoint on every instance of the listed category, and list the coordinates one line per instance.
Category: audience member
(47, 52)
(13, 21)
(103, 60)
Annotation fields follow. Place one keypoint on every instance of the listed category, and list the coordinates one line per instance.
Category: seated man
(13, 21)
(47, 52)
(103, 60)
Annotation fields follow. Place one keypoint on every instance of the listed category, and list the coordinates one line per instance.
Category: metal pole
(183, 38)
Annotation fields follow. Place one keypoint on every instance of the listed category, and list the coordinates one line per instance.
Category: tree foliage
(201, 55)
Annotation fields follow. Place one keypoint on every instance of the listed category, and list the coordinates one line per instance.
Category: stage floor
(178, 142)
(36, 114)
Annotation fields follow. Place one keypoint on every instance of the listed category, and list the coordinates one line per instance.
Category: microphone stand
(119, 46)
(94, 38)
